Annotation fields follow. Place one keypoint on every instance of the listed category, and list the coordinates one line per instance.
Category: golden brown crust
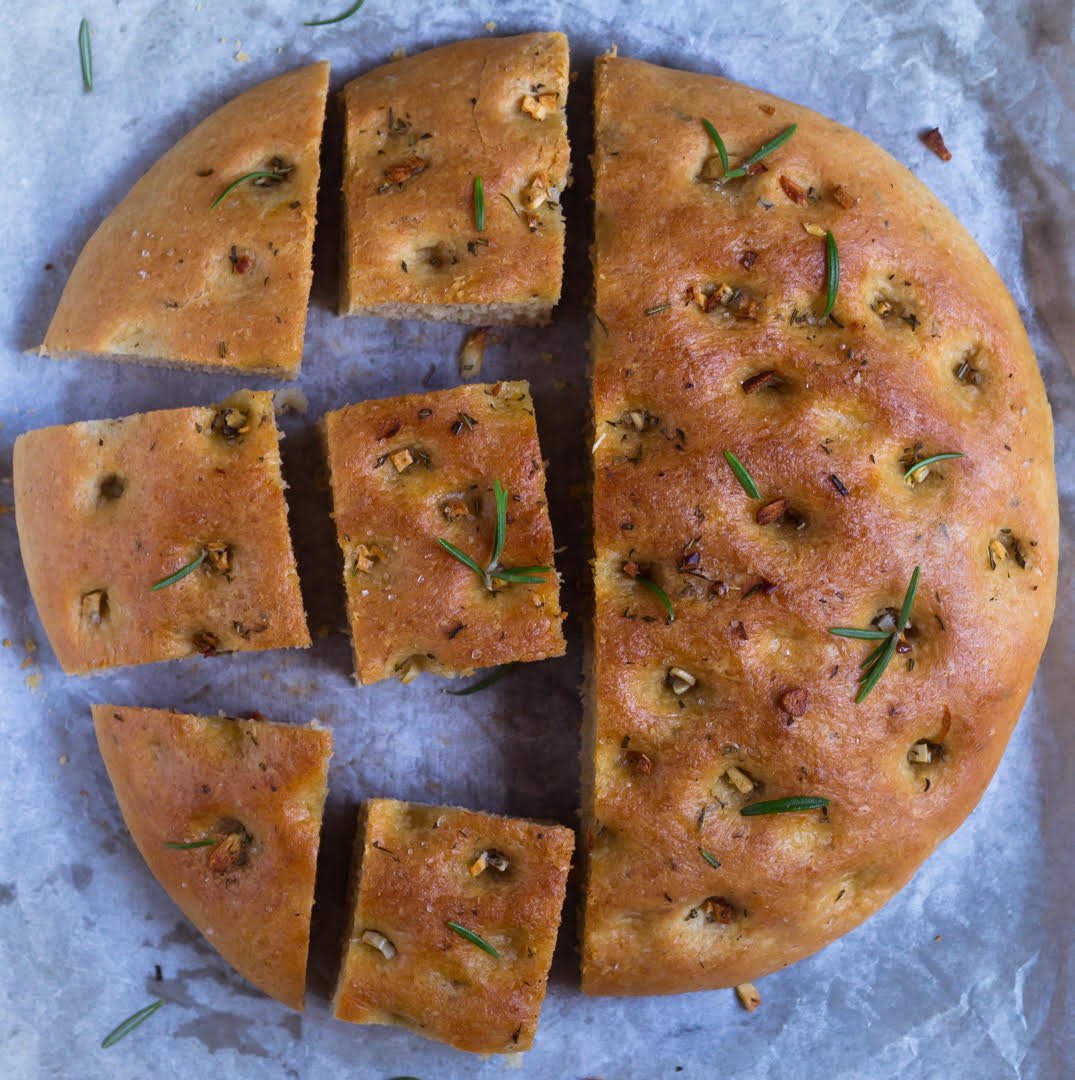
(167, 278)
(257, 789)
(927, 348)
(411, 605)
(106, 508)
(418, 132)
(417, 868)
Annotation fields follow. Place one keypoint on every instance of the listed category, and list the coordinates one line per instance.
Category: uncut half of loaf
(710, 338)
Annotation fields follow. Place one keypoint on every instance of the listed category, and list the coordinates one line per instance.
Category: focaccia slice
(419, 133)
(227, 815)
(181, 273)
(452, 923)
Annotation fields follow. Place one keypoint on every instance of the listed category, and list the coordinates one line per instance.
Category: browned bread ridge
(227, 815)
(709, 338)
(419, 132)
(406, 471)
(106, 509)
(415, 871)
(169, 278)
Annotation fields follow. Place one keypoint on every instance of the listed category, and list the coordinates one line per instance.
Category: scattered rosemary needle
(832, 273)
(181, 573)
(474, 939)
(352, 10)
(479, 204)
(930, 461)
(718, 142)
(178, 845)
(128, 1025)
(259, 174)
(661, 595)
(85, 54)
(710, 858)
(785, 806)
(765, 151)
(494, 676)
(742, 475)
(657, 309)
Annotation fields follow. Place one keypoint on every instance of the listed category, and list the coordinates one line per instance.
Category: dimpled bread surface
(227, 815)
(415, 870)
(419, 131)
(169, 278)
(107, 508)
(709, 338)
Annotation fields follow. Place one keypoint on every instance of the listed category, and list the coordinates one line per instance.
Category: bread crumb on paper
(748, 996)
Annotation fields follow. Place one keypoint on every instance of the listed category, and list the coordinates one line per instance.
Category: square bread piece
(108, 509)
(418, 132)
(452, 923)
(408, 471)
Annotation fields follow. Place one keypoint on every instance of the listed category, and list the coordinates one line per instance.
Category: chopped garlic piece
(920, 754)
(378, 941)
(739, 780)
(402, 459)
(680, 681)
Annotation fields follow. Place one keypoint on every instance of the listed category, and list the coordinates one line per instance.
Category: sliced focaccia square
(442, 520)
(160, 535)
(227, 815)
(454, 162)
(208, 260)
(452, 923)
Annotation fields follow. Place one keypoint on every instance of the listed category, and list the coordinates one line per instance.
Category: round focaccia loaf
(711, 337)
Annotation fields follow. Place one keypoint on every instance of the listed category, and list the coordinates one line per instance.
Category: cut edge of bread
(281, 372)
(536, 312)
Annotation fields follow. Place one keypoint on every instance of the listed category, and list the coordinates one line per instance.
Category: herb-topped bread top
(825, 526)
(441, 515)
(207, 261)
(227, 815)
(452, 923)
(454, 162)
(160, 535)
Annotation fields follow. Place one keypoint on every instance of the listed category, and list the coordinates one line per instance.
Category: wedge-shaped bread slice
(160, 535)
(452, 923)
(711, 338)
(181, 273)
(227, 815)
(409, 472)
(418, 243)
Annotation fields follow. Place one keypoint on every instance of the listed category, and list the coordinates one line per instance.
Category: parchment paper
(966, 974)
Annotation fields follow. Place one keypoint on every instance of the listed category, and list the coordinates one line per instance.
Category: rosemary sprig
(479, 204)
(718, 142)
(177, 845)
(661, 595)
(710, 858)
(494, 676)
(473, 938)
(493, 572)
(128, 1025)
(181, 573)
(873, 667)
(85, 54)
(259, 174)
(790, 805)
(352, 10)
(930, 461)
(742, 475)
(765, 151)
(832, 273)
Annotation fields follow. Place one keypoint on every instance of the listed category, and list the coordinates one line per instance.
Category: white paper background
(82, 922)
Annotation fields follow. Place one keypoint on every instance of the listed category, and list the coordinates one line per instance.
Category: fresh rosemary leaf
(765, 151)
(832, 273)
(352, 10)
(710, 858)
(854, 632)
(177, 845)
(525, 575)
(85, 53)
(479, 204)
(257, 175)
(874, 656)
(649, 583)
(462, 556)
(494, 676)
(878, 669)
(785, 806)
(130, 1024)
(930, 461)
(501, 496)
(718, 142)
(908, 601)
(171, 579)
(742, 475)
(473, 938)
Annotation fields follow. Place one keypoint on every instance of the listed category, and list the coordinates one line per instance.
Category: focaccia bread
(712, 339)
(111, 513)
(409, 471)
(452, 923)
(227, 815)
(179, 275)
(419, 133)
